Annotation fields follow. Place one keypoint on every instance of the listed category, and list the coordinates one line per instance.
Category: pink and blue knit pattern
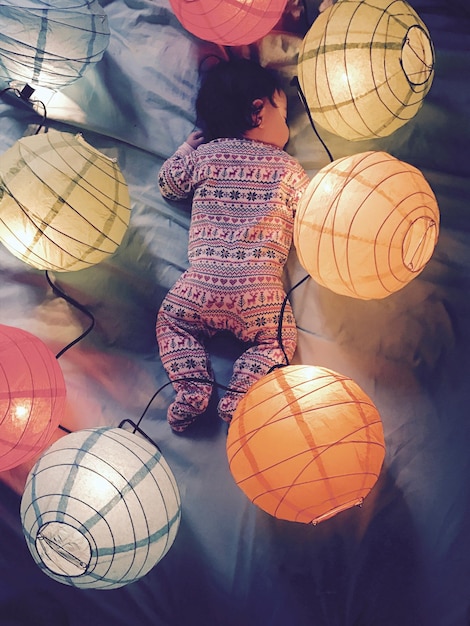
(245, 196)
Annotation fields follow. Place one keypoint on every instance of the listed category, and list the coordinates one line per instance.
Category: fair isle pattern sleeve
(175, 179)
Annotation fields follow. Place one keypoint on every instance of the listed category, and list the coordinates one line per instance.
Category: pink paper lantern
(229, 22)
(32, 396)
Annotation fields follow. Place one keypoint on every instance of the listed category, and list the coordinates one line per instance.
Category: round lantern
(63, 204)
(50, 43)
(100, 508)
(365, 67)
(366, 225)
(229, 22)
(305, 443)
(32, 396)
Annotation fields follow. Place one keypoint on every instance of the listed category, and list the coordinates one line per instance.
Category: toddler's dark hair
(224, 105)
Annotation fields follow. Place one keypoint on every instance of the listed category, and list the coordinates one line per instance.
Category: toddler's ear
(256, 112)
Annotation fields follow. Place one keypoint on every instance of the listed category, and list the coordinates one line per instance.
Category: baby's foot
(228, 404)
(188, 405)
(181, 415)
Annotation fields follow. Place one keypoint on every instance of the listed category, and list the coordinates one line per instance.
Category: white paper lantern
(100, 508)
(64, 206)
(365, 66)
(50, 43)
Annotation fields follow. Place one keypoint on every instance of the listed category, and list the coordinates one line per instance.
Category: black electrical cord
(281, 319)
(78, 306)
(25, 96)
(295, 83)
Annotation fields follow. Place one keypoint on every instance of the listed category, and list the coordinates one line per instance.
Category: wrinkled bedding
(403, 558)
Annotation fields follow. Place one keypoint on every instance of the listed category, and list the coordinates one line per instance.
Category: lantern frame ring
(429, 66)
(61, 551)
(408, 259)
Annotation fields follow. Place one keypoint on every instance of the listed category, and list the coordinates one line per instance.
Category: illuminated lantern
(366, 225)
(229, 22)
(63, 205)
(365, 66)
(305, 443)
(100, 508)
(50, 43)
(32, 396)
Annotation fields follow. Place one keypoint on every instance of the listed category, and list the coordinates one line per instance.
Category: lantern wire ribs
(365, 67)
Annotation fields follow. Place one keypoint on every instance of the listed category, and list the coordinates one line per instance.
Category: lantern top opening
(63, 549)
(417, 56)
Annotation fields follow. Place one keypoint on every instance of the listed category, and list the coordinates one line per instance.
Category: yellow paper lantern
(305, 443)
(64, 205)
(365, 66)
(366, 225)
(100, 508)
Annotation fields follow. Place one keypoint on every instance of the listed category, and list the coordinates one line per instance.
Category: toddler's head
(240, 98)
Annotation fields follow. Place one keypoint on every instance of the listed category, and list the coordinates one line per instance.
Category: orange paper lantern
(32, 396)
(229, 22)
(366, 225)
(305, 443)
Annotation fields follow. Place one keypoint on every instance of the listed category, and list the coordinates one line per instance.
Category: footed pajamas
(245, 196)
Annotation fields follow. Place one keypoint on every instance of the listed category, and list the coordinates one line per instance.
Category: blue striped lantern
(50, 43)
(64, 205)
(100, 508)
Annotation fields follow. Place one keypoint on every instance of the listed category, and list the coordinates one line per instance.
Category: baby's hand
(195, 139)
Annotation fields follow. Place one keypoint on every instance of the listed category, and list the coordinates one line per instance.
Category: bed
(403, 558)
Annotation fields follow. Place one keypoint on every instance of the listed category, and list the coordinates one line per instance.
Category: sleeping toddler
(245, 189)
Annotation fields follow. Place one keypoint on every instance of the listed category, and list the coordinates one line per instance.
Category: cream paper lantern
(366, 225)
(64, 205)
(365, 66)
(100, 508)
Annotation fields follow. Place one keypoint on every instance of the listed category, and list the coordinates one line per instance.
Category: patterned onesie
(245, 196)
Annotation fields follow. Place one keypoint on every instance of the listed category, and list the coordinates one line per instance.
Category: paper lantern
(63, 205)
(50, 43)
(365, 66)
(305, 443)
(366, 225)
(32, 396)
(100, 508)
(229, 22)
